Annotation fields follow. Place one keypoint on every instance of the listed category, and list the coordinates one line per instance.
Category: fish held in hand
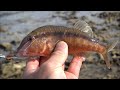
(42, 41)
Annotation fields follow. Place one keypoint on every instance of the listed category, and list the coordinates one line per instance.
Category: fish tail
(111, 46)
(107, 59)
(106, 55)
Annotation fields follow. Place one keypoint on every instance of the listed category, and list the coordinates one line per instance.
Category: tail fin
(107, 59)
(110, 47)
(106, 54)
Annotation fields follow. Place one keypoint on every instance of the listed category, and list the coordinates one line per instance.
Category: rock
(118, 19)
(13, 42)
(2, 30)
(12, 70)
(6, 46)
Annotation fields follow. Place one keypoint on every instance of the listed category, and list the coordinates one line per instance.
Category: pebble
(6, 46)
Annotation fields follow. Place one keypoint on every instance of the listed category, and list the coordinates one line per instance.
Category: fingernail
(83, 58)
(61, 46)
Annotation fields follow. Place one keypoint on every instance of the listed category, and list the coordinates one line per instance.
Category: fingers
(60, 54)
(31, 67)
(75, 65)
(63, 66)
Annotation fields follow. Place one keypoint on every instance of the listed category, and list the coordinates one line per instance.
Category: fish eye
(29, 38)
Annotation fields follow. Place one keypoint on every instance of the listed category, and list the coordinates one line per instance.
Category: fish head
(31, 46)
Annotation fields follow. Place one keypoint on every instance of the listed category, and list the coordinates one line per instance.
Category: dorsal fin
(82, 26)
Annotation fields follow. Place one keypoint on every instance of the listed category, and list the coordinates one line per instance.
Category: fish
(79, 38)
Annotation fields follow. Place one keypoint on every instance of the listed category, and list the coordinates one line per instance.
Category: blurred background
(15, 25)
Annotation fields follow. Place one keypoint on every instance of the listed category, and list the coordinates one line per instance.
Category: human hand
(53, 67)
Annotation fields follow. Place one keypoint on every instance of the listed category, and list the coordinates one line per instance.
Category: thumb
(60, 54)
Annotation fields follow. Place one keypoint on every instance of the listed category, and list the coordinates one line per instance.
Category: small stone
(2, 30)
(13, 42)
(6, 46)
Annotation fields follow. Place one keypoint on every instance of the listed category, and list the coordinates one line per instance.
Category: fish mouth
(23, 49)
(21, 53)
